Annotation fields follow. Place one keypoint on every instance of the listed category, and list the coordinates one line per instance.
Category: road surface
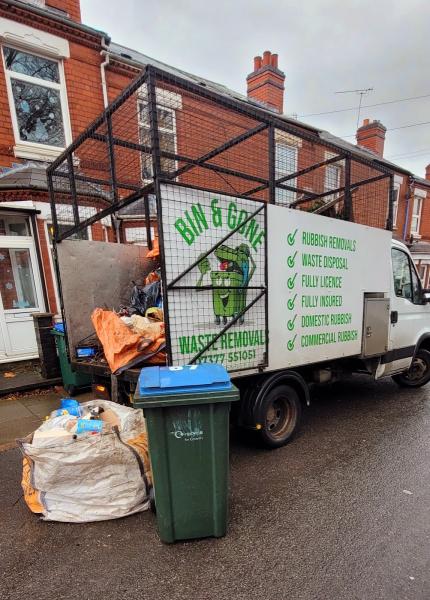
(342, 513)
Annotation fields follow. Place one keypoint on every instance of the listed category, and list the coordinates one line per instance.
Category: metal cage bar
(165, 130)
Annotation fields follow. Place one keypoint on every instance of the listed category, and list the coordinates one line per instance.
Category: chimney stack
(266, 82)
(371, 135)
(428, 172)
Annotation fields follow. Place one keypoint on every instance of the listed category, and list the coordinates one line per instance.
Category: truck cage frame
(165, 129)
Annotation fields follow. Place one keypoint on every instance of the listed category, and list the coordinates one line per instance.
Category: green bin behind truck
(72, 380)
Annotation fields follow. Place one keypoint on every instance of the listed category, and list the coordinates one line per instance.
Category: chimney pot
(257, 63)
(266, 82)
(266, 58)
(366, 122)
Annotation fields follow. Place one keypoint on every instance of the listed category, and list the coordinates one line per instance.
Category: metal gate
(215, 276)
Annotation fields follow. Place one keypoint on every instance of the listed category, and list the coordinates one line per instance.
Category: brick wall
(82, 73)
(7, 140)
(47, 271)
(70, 7)
(84, 86)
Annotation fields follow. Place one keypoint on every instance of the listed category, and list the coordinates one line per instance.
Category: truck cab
(408, 356)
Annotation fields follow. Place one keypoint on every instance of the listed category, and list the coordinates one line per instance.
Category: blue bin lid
(59, 327)
(206, 377)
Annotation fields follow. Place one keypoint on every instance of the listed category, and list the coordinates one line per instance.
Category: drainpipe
(408, 199)
(104, 53)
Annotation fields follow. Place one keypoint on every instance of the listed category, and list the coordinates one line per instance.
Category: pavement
(24, 376)
(22, 414)
(341, 513)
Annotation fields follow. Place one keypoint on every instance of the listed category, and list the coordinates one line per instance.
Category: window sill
(37, 152)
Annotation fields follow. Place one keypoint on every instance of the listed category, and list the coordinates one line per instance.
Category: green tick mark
(290, 344)
(291, 260)
(291, 282)
(290, 323)
(290, 303)
(291, 238)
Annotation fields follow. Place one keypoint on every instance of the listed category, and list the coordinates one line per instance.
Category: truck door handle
(394, 316)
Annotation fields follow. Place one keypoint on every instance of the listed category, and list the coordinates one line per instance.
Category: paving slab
(17, 428)
(41, 406)
(11, 410)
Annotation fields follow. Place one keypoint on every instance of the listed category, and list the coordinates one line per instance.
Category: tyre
(71, 389)
(152, 504)
(419, 371)
(280, 414)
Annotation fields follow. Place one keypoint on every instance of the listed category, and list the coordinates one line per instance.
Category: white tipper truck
(283, 298)
(340, 298)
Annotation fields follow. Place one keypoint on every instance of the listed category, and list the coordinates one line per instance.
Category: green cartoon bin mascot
(230, 281)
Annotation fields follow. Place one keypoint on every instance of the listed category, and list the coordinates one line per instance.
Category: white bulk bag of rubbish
(89, 477)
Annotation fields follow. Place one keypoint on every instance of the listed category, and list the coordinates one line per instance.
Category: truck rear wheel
(280, 414)
(419, 371)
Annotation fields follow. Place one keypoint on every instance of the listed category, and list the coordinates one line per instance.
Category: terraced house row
(57, 75)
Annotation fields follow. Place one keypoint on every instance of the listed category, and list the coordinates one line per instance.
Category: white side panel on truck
(319, 271)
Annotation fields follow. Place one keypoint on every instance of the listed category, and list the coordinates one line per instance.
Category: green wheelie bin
(72, 380)
(187, 416)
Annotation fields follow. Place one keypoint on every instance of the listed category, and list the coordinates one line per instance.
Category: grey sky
(324, 46)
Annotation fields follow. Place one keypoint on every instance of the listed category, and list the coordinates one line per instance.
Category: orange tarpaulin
(121, 346)
(155, 252)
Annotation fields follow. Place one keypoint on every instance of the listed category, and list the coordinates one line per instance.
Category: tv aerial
(362, 92)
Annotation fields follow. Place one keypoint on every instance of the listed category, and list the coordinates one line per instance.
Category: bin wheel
(71, 389)
(280, 414)
(152, 501)
(419, 371)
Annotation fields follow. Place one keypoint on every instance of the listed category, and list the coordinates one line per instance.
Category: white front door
(410, 317)
(20, 289)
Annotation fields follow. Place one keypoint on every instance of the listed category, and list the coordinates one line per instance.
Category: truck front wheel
(280, 413)
(419, 371)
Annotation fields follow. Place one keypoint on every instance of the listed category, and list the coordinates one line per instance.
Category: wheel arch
(423, 342)
(256, 391)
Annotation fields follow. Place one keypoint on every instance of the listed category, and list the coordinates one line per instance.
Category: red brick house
(411, 218)
(56, 76)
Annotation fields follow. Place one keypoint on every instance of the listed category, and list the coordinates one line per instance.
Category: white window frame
(36, 150)
(416, 216)
(283, 172)
(17, 218)
(140, 230)
(396, 190)
(146, 125)
(327, 179)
